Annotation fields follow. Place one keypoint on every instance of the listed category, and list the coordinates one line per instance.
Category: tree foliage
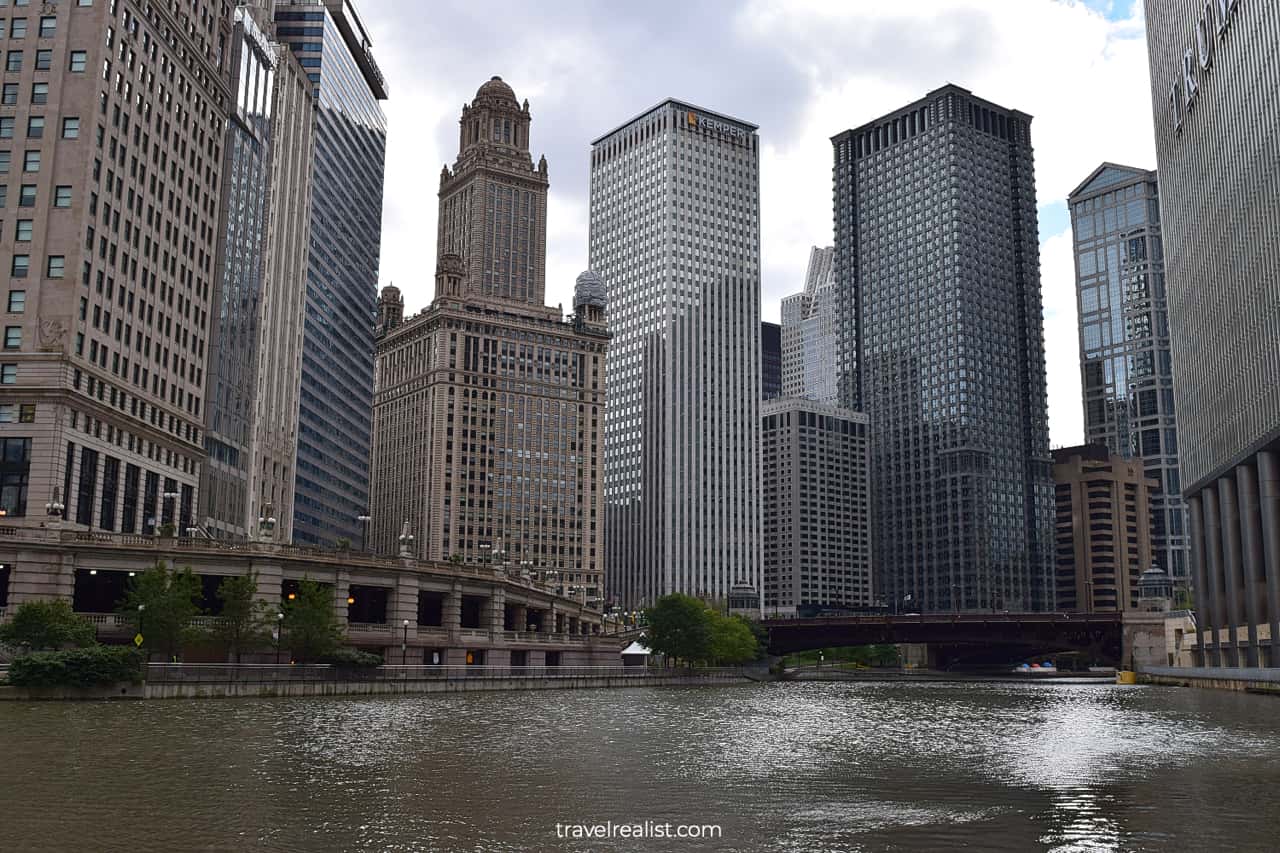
(42, 625)
(686, 629)
(245, 620)
(88, 667)
(732, 641)
(311, 628)
(170, 600)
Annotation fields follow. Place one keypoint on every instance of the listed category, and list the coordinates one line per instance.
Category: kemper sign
(1215, 18)
(697, 120)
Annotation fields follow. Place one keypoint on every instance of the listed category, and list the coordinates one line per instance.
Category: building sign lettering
(697, 120)
(1197, 61)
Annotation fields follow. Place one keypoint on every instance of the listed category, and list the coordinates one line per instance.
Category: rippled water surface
(817, 767)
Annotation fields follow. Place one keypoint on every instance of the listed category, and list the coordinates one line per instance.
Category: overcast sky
(803, 70)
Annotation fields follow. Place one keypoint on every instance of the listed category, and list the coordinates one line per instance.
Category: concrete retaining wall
(1217, 678)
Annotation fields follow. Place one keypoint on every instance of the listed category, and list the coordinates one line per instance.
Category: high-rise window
(15, 470)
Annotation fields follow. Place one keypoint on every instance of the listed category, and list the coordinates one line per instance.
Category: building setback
(941, 344)
(255, 367)
(675, 231)
(1104, 541)
(1213, 75)
(1126, 372)
(811, 333)
(332, 473)
(111, 239)
(489, 409)
(817, 518)
(770, 360)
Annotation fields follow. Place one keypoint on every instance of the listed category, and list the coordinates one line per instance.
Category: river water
(803, 767)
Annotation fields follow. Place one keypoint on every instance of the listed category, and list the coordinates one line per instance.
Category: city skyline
(805, 93)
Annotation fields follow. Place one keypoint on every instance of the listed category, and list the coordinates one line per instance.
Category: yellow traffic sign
(137, 640)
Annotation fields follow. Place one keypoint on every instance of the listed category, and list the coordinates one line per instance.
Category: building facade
(1104, 539)
(489, 410)
(770, 360)
(1125, 367)
(817, 514)
(1212, 75)
(112, 135)
(675, 230)
(811, 333)
(255, 364)
(336, 398)
(941, 344)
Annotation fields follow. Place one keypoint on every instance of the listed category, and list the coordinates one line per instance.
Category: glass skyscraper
(941, 344)
(770, 360)
(342, 279)
(811, 333)
(675, 231)
(1126, 373)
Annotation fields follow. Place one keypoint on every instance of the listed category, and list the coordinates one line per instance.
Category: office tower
(817, 516)
(1104, 537)
(332, 471)
(1213, 72)
(938, 282)
(675, 231)
(811, 333)
(111, 143)
(1125, 369)
(489, 409)
(256, 345)
(770, 360)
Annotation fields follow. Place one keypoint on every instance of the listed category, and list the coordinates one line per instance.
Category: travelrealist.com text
(643, 829)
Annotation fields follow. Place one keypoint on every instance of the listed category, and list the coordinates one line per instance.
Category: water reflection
(798, 767)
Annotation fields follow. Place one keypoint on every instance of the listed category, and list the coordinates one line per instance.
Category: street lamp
(266, 523)
(364, 530)
(279, 635)
(141, 609)
(404, 644)
(55, 507)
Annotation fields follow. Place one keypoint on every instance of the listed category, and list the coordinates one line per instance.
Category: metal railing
(183, 673)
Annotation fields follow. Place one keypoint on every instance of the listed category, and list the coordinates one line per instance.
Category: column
(521, 617)
(1203, 613)
(341, 592)
(1231, 563)
(451, 613)
(497, 609)
(549, 619)
(406, 607)
(1213, 571)
(1251, 555)
(1269, 510)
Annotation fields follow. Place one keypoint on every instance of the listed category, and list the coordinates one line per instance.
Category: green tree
(47, 625)
(732, 641)
(169, 601)
(679, 626)
(311, 628)
(244, 621)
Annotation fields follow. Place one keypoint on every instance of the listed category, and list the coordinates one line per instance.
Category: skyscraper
(1126, 372)
(1213, 75)
(112, 241)
(675, 231)
(770, 360)
(256, 345)
(811, 333)
(489, 408)
(938, 283)
(332, 478)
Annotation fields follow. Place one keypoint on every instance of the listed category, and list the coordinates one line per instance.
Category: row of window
(47, 27)
(77, 60)
(55, 266)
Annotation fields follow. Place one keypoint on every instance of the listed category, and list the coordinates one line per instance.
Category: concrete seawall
(1217, 678)
(230, 689)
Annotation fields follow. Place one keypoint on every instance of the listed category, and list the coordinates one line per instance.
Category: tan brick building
(489, 406)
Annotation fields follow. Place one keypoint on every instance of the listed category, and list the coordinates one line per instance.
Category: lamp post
(364, 530)
(404, 644)
(55, 507)
(141, 610)
(279, 635)
(267, 523)
(166, 497)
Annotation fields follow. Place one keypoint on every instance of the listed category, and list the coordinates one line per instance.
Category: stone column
(341, 592)
(1213, 570)
(1251, 556)
(451, 613)
(1231, 563)
(1195, 516)
(549, 619)
(521, 617)
(1269, 510)
(497, 610)
(38, 575)
(270, 578)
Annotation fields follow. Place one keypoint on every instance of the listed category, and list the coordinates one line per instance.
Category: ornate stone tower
(390, 309)
(493, 202)
(590, 300)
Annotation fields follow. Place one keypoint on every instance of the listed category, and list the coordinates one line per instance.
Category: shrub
(47, 625)
(89, 667)
(351, 659)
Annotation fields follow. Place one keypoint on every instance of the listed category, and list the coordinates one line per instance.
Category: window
(4, 162)
(13, 334)
(48, 26)
(28, 196)
(13, 61)
(31, 161)
(79, 61)
(8, 374)
(17, 301)
(56, 266)
(35, 127)
(23, 231)
(6, 127)
(61, 196)
(39, 93)
(44, 59)
(27, 413)
(71, 128)
(9, 96)
(15, 466)
(18, 28)
(8, 413)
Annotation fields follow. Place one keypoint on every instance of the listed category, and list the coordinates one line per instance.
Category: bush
(351, 659)
(47, 625)
(90, 667)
